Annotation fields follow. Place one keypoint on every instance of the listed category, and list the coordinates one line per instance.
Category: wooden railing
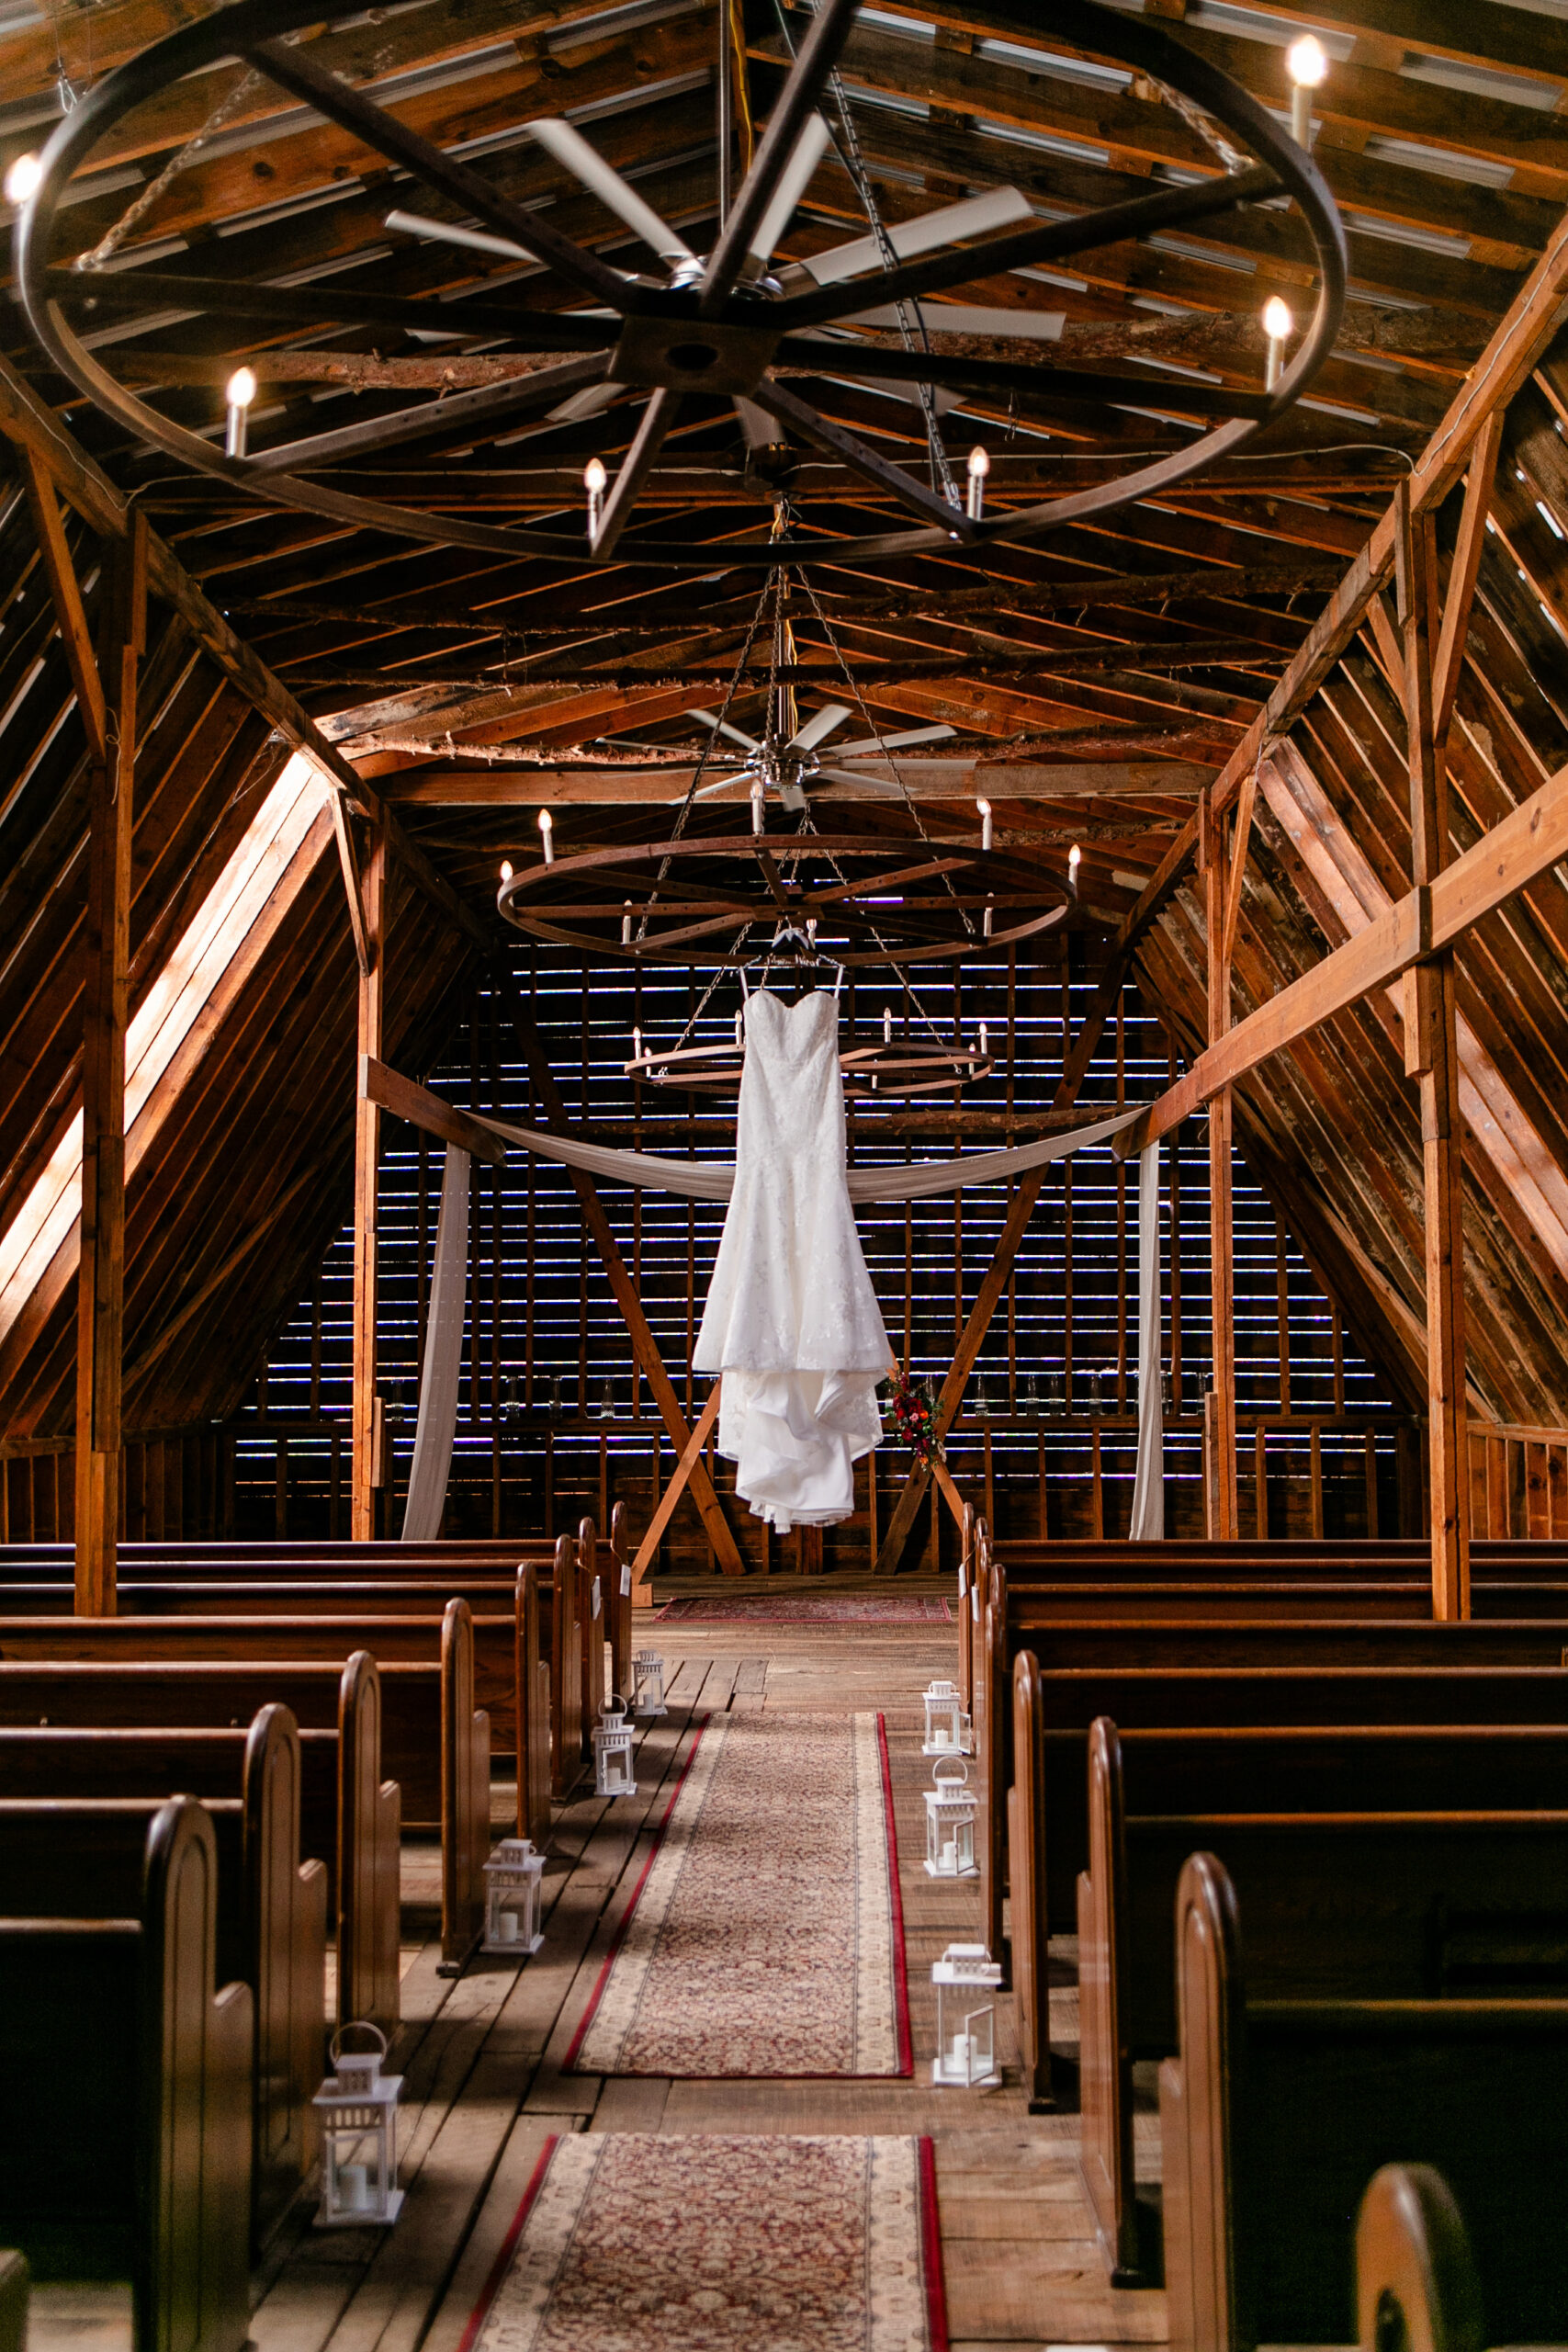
(1297, 1475)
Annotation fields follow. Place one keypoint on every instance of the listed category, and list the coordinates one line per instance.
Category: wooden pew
(128, 2082)
(515, 1731)
(406, 1700)
(1416, 2276)
(1296, 1559)
(1190, 1601)
(1193, 1700)
(1363, 1899)
(1275, 2114)
(1087, 1661)
(561, 1647)
(220, 1633)
(13, 2301)
(348, 1816)
(61, 1857)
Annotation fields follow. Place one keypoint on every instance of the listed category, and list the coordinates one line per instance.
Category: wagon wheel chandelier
(896, 1067)
(732, 327)
(855, 898)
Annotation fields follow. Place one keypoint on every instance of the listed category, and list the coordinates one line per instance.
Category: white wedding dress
(792, 1321)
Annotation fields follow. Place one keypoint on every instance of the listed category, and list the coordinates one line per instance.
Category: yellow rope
(742, 93)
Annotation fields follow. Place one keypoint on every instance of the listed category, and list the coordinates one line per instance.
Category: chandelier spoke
(294, 71)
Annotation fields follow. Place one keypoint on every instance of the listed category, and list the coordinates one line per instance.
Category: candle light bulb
(506, 869)
(1074, 859)
(985, 809)
(979, 467)
(1278, 325)
(986, 920)
(985, 1048)
(238, 391)
(594, 479)
(1308, 66)
(756, 808)
(23, 180)
(547, 835)
(887, 1025)
(636, 1045)
(739, 1028)
(626, 925)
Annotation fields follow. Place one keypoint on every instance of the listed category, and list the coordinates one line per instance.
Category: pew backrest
(369, 1854)
(131, 2142)
(464, 1791)
(1275, 2111)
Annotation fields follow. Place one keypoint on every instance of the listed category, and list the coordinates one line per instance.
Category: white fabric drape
(443, 1358)
(1148, 1482)
(714, 1181)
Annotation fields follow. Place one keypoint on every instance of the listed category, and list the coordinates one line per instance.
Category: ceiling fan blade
(794, 180)
(617, 195)
(868, 744)
(976, 217)
(972, 318)
(757, 426)
(592, 401)
(722, 727)
(821, 723)
(447, 232)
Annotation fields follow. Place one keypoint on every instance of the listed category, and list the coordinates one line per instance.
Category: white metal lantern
(358, 2107)
(648, 1683)
(965, 2036)
(511, 1897)
(947, 1726)
(950, 1812)
(613, 1766)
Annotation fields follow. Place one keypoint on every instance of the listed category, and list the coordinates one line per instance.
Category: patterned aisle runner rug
(765, 1936)
(719, 2245)
(805, 1608)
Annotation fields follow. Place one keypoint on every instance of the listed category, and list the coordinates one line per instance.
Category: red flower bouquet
(912, 1411)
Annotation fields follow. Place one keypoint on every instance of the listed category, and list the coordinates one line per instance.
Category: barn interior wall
(554, 1417)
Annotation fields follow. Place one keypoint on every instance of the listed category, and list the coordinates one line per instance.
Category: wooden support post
(1217, 899)
(107, 934)
(1107, 996)
(691, 1455)
(364, 1465)
(1431, 1056)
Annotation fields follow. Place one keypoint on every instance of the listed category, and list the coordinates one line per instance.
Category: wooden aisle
(483, 2089)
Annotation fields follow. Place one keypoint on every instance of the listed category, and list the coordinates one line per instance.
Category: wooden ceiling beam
(1530, 325)
(70, 614)
(960, 781)
(25, 422)
(1270, 243)
(975, 84)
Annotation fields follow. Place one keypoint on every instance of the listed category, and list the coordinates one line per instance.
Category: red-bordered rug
(811, 1608)
(765, 1935)
(710, 2244)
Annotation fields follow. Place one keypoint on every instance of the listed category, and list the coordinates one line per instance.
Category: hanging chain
(911, 319)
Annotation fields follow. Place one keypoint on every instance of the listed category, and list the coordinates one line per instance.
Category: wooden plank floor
(483, 2087)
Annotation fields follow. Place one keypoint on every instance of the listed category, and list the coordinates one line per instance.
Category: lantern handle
(358, 2025)
(948, 1778)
